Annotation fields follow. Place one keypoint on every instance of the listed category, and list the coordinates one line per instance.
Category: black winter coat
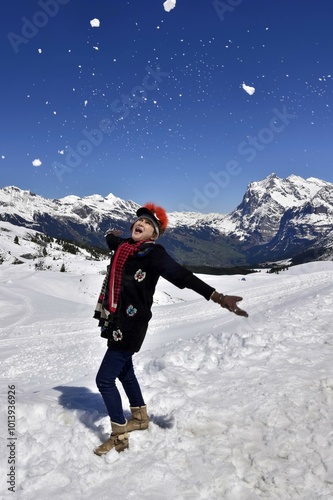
(127, 328)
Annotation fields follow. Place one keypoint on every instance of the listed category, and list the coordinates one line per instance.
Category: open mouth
(138, 230)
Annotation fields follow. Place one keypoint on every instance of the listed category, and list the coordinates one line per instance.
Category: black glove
(229, 302)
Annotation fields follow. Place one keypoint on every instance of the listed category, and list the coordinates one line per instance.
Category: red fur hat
(157, 215)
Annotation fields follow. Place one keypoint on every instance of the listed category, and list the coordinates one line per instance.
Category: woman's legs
(118, 364)
(111, 367)
(130, 384)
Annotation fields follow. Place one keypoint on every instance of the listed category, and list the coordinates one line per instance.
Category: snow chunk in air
(95, 23)
(36, 162)
(249, 90)
(169, 5)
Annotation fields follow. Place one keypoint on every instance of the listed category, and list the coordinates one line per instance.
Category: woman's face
(142, 230)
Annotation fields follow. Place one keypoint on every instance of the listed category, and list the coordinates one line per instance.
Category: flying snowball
(249, 90)
(36, 163)
(95, 23)
(169, 5)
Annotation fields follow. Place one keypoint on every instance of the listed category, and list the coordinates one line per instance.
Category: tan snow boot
(139, 420)
(118, 440)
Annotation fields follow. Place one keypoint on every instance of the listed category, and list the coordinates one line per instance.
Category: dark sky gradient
(185, 135)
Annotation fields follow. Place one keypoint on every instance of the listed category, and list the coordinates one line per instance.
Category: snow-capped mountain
(70, 217)
(277, 219)
(257, 219)
(305, 229)
(87, 219)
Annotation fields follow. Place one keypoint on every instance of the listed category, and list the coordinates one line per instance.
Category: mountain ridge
(276, 219)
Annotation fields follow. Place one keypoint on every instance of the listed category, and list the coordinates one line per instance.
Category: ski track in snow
(240, 409)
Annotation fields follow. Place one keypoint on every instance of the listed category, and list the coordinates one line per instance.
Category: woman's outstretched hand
(229, 302)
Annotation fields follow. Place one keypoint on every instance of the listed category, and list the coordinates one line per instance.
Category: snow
(95, 23)
(241, 409)
(248, 89)
(36, 162)
(169, 5)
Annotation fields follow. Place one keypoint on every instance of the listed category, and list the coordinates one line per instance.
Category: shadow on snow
(90, 408)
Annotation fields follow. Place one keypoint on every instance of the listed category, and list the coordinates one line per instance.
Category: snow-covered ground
(241, 409)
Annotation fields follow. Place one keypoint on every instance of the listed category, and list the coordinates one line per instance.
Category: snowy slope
(240, 409)
(20, 245)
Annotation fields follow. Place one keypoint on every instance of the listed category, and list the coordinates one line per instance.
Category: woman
(124, 310)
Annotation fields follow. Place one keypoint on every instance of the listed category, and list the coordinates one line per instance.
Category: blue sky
(150, 104)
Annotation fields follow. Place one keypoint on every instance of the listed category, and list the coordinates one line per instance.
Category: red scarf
(124, 251)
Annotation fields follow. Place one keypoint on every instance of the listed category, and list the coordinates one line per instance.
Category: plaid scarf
(124, 251)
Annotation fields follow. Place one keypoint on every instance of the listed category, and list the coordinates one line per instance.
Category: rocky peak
(257, 218)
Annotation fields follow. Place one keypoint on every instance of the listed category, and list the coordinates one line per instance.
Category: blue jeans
(118, 364)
